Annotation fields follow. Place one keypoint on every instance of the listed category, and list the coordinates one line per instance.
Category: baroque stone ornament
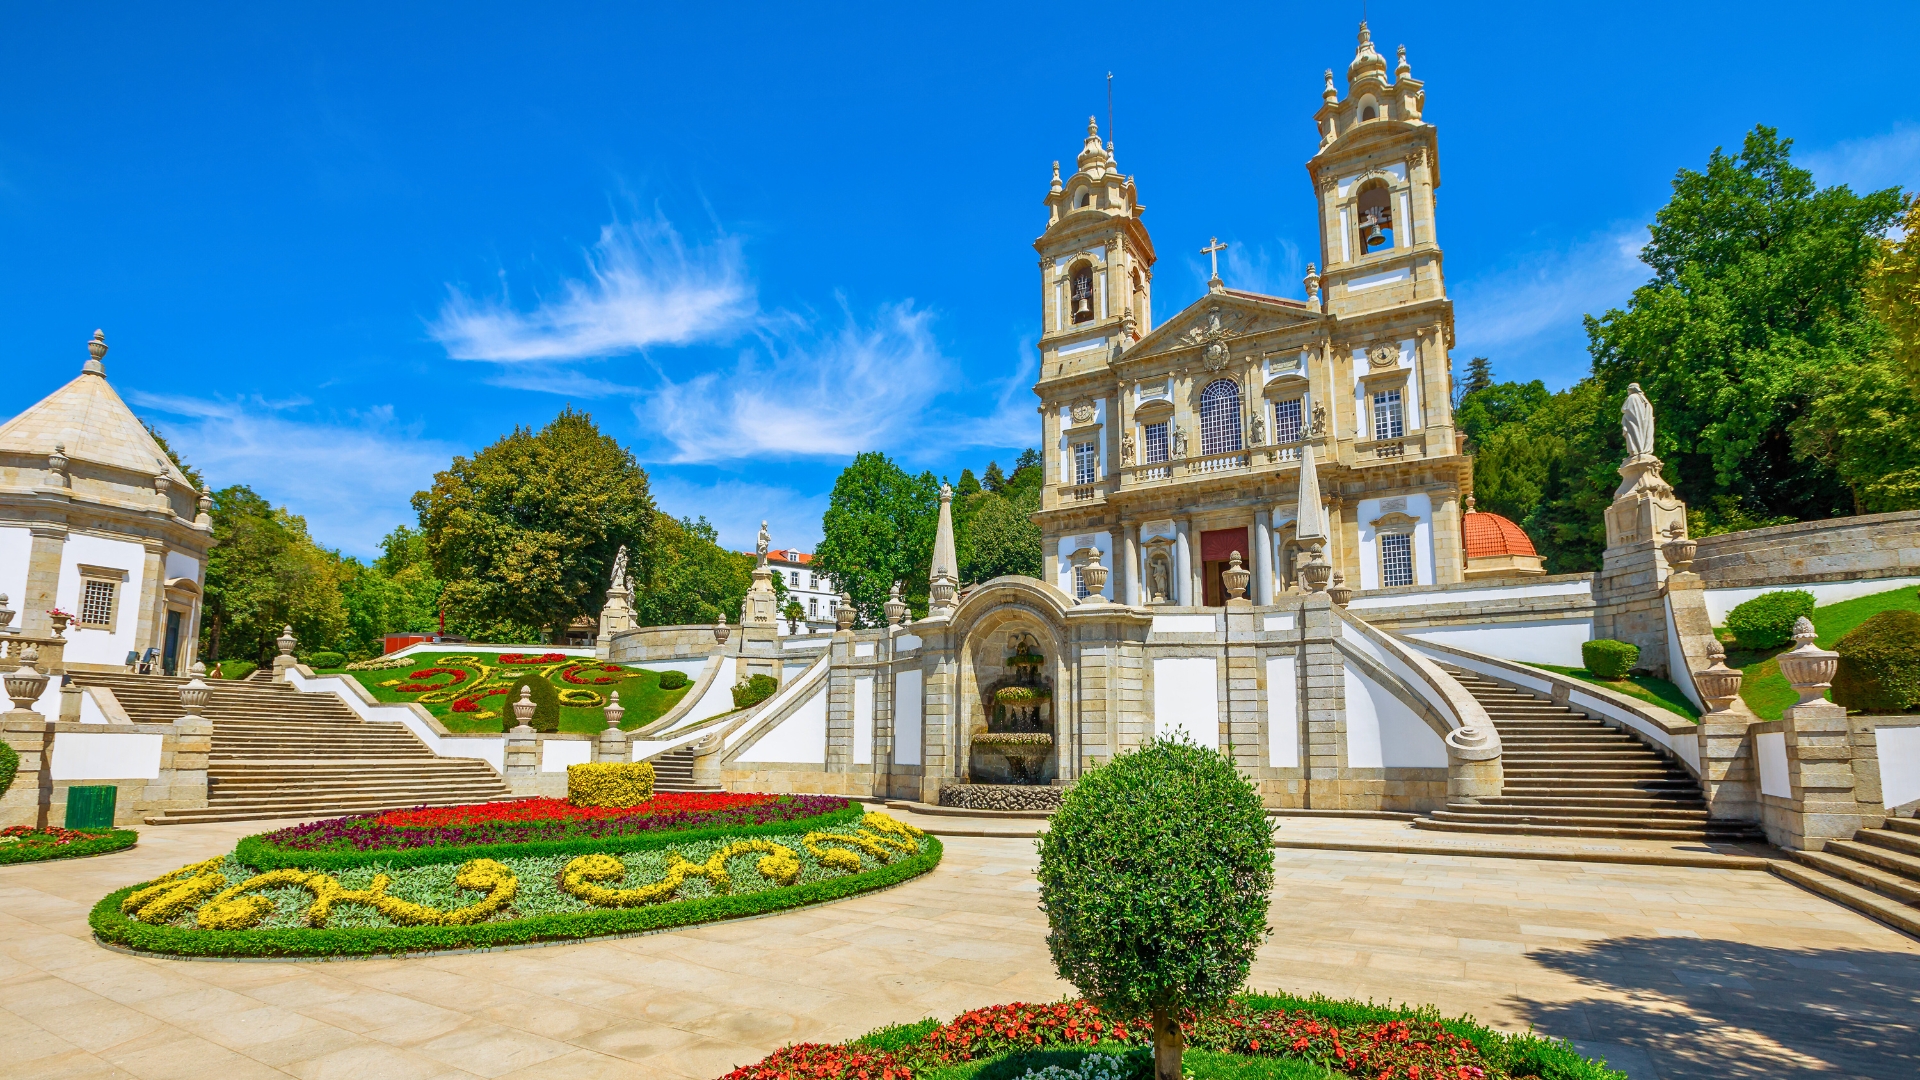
(1383, 356)
(1679, 548)
(1808, 668)
(1235, 578)
(1719, 684)
(1084, 411)
(1338, 591)
(1636, 423)
(1126, 449)
(1095, 576)
(1214, 340)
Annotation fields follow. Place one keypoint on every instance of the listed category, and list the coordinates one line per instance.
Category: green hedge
(236, 669)
(9, 765)
(326, 660)
(1879, 669)
(753, 691)
(108, 842)
(1609, 659)
(111, 927)
(257, 852)
(1766, 621)
(673, 679)
(546, 703)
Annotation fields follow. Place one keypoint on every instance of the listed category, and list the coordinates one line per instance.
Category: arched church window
(1220, 417)
(1085, 200)
(1082, 293)
(1376, 217)
(1367, 113)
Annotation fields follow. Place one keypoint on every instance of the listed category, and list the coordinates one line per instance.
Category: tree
(1893, 290)
(686, 578)
(1154, 876)
(1757, 291)
(1000, 537)
(265, 572)
(396, 593)
(1028, 459)
(968, 485)
(878, 529)
(524, 532)
(1479, 377)
(1496, 405)
(994, 480)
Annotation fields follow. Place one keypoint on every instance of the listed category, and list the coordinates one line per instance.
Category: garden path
(1667, 971)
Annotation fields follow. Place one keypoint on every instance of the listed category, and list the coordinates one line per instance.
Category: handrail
(1471, 732)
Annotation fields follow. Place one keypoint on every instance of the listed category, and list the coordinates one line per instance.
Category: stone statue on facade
(1157, 579)
(1319, 426)
(761, 545)
(1636, 423)
(1259, 429)
(1179, 443)
(1126, 449)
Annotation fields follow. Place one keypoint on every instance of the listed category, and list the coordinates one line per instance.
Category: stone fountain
(1011, 762)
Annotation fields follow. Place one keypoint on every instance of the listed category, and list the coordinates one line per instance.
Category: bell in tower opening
(1376, 219)
(1083, 293)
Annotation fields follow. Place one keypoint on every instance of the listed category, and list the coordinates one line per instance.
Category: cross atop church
(1214, 248)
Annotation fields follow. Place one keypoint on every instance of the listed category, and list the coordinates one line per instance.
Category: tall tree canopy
(264, 572)
(878, 529)
(687, 577)
(525, 530)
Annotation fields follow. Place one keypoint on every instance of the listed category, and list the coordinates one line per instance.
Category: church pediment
(1216, 320)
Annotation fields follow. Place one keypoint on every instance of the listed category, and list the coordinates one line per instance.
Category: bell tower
(1096, 263)
(1375, 175)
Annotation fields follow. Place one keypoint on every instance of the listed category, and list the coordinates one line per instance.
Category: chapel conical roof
(91, 423)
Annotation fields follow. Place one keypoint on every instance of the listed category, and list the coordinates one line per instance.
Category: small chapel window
(1220, 417)
(1082, 293)
(1389, 417)
(1286, 421)
(96, 605)
(1156, 443)
(1396, 559)
(1086, 463)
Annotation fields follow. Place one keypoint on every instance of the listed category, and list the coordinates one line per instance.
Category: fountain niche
(1011, 762)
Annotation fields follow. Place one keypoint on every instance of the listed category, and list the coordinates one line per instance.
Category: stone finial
(286, 641)
(1056, 188)
(96, 353)
(193, 696)
(1470, 508)
(57, 463)
(1718, 684)
(614, 711)
(1330, 93)
(25, 684)
(1095, 575)
(1402, 69)
(203, 516)
(843, 615)
(720, 630)
(1312, 282)
(6, 615)
(1235, 578)
(1808, 668)
(1366, 59)
(896, 607)
(1338, 591)
(162, 484)
(523, 710)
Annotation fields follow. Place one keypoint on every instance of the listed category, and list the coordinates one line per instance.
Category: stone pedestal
(70, 703)
(285, 642)
(1835, 778)
(186, 777)
(1628, 590)
(1474, 769)
(26, 731)
(759, 609)
(706, 759)
(1323, 676)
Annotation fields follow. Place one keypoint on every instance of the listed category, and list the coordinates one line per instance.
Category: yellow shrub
(169, 897)
(610, 783)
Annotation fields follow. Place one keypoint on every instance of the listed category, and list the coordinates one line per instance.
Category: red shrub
(528, 658)
(428, 673)
(998, 1029)
(817, 1061)
(530, 810)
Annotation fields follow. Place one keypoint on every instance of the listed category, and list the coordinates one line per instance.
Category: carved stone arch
(988, 620)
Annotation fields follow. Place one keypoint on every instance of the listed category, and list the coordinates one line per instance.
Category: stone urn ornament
(194, 694)
(25, 684)
(1338, 591)
(286, 641)
(60, 619)
(1718, 684)
(1235, 577)
(614, 711)
(896, 607)
(721, 630)
(843, 618)
(523, 710)
(1095, 575)
(1316, 573)
(1808, 668)
(1679, 548)
(6, 615)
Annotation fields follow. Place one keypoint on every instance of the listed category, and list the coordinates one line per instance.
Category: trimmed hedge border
(115, 840)
(112, 928)
(256, 852)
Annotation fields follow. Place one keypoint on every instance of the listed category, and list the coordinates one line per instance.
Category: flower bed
(1256, 1033)
(234, 907)
(468, 691)
(24, 843)
(426, 835)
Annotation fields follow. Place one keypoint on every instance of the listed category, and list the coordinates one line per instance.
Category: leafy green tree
(192, 474)
(1757, 291)
(1863, 423)
(1893, 290)
(265, 572)
(396, 593)
(1154, 876)
(968, 484)
(1497, 405)
(524, 532)
(1479, 377)
(994, 480)
(1001, 537)
(878, 529)
(686, 578)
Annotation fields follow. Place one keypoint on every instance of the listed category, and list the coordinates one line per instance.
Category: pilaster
(43, 578)
(1323, 683)
(25, 801)
(1827, 756)
(840, 702)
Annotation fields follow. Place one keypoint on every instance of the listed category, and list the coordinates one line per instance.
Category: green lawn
(1643, 687)
(1765, 690)
(640, 693)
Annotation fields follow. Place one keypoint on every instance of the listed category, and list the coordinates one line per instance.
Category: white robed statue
(617, 579)
(761, 545)
(1636, 423)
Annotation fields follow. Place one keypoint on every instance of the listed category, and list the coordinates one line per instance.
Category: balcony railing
(1213, 463)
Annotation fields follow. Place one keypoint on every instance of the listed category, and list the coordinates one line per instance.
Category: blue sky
(334, 246)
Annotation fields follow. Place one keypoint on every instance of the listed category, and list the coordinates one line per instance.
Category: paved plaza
(1666, 971)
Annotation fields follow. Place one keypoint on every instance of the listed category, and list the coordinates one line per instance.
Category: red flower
(428, 673)
(527, 658)
(571, 674)
(531, 810)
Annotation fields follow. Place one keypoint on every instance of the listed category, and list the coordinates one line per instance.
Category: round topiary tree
(546, 702)
(1879, 669)
(1766, 621)
(1154, 875)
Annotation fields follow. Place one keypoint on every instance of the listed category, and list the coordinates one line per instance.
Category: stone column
(612, 744)
(840, 702)
(1823, 749)
(25, 802)
(1262, 556)
(43, 578)
(149, 632)
(1323, 679)
(1183, 563)
(1129, 565)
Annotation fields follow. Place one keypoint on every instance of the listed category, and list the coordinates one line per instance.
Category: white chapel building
(96, 523)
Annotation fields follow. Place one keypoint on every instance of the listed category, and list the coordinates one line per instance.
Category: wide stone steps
(673, 771)
(1567, 774)
(1877, 873)
(277, 752)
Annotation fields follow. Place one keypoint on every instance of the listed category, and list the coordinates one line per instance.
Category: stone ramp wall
(1843, 549)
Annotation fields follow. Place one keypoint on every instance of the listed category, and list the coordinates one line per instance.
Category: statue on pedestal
(762, 544)
(1636, 423)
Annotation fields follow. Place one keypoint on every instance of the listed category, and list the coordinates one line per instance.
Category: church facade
(1175, 446)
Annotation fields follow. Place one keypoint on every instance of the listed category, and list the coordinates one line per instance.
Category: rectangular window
(1085, 463)
(813, 581)
(1286, 421)
(1156, 444)
(813, 607)
(1079, 584)
(96, 604)
(1396, 559)
(1389, 422)
(796, 579)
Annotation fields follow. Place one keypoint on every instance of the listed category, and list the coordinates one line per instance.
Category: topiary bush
(672, 679)
(753, 691)
(610, 783)
(1609, 659)
(1154, 875)
(9, 765)
(1879, 668)
(546, 703)
(1766, 621)
(326, 660)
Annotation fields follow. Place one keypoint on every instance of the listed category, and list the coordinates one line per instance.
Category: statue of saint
(615, 580)
(761, 545)
(1126, 449)
(1179, 443)
(1259, 429)
(1157, 577)
(1636, 423)
(1319, 420)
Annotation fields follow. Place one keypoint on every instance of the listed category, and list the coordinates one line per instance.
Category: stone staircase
(673, 771)
(1570, 775)
(1877, 873)
(280, 753)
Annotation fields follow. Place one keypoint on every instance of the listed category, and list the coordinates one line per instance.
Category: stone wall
(663, 643)
(1866, 547)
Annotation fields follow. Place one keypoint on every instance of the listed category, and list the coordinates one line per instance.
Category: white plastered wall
(1186, 698)
(800, 739)
(1547, 641)
(102, 646)
(1382, 732)
(907, 728)
(1283, 714)
(1419, 505)
(863, 720)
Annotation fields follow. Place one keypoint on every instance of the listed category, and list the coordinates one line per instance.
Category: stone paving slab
(1665, 971)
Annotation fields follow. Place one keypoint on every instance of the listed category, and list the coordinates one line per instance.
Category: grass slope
(1765, 690)
(640, 696)
(1642, 687)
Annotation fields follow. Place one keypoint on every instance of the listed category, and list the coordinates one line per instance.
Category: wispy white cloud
(857, 388)
(1274, 271)
(350, 476)
(737, 507)
(645, 286)
(1890, 159)
(1528, 314)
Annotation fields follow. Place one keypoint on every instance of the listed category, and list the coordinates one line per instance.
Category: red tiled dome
(1491, 536)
